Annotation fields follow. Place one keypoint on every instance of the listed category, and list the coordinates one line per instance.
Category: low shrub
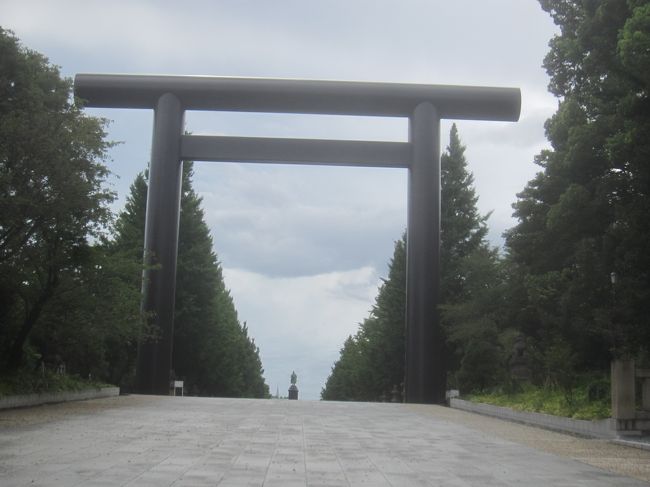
(584, 402)
(31, 382)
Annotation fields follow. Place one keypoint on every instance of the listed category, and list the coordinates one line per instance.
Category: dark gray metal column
(425, 380)
(161, 247)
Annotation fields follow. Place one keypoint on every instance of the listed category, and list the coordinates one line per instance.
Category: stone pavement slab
(186, 441)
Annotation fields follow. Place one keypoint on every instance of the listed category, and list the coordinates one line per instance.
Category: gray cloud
(419, 41)
(301, 221)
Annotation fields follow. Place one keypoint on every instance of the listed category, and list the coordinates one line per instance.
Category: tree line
(571, 289)
(70, 269)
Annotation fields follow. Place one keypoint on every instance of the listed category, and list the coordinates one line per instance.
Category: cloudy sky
(303, 247)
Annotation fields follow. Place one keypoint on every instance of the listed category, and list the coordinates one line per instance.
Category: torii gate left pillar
(424, 105)
(154, 363)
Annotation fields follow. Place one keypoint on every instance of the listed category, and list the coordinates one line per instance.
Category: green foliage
(581, 219)
(57, 285)
(371, 363)
(93, 324)
(212, 351)
(481, 367)
(584, 216)
(552, 400)
(634, 44)
(24, 381)
(381, 335)
(474, 325)
(462, 229)
(70, 296)
(346, 382)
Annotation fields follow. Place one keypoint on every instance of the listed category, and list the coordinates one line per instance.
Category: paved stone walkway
(143, 440)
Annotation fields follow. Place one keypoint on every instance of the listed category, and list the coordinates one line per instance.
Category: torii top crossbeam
(299, 96)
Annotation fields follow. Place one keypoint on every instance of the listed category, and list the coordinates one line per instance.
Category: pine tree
(345, 383)
(385, 329)
(462, 228)
(129, 227)
(478, 337)
(371, 363)
(584, 216)
(212, 352)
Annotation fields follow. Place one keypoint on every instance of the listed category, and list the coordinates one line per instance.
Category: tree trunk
(15, 355)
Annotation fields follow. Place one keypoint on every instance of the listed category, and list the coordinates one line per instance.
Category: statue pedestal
(293, 392)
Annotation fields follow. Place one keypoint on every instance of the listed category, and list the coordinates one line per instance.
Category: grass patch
(37, 382)
(579, 403)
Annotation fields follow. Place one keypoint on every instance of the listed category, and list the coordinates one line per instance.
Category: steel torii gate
(423, 105)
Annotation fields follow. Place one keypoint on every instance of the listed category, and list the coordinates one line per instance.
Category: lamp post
(613, 279)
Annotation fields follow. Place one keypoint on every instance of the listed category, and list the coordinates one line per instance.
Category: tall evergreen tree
(384, 329)
(462, 228)
(346, 382)
(583, 218)
(371, 363)
(478, 337)
(212, 351)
